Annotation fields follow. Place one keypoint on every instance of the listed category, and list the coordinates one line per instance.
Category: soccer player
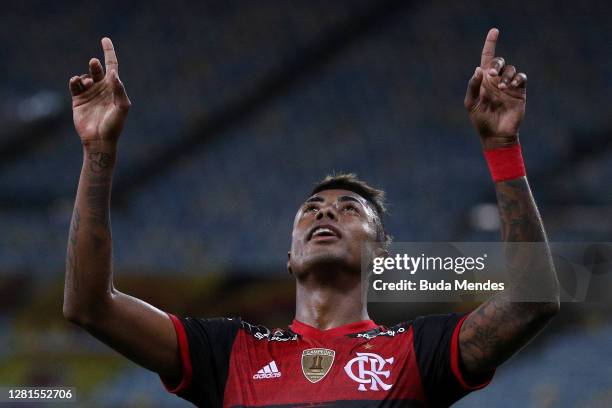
(332, 354)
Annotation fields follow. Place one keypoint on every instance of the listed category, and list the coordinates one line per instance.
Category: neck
(330, 303)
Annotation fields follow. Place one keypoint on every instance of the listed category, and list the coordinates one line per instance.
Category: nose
(328, 211)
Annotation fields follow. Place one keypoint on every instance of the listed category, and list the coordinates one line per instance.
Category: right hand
(99, 102)
(496, 98)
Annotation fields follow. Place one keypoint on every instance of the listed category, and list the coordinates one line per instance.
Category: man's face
(329, 230)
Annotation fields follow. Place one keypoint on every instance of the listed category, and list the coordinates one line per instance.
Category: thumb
(121, 99)
(473, 89)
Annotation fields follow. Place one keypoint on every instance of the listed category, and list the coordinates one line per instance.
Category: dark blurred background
(239, 107)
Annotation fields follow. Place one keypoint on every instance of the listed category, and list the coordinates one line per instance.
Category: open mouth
(323, 232)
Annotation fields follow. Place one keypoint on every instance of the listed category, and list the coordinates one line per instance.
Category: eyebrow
(315, 199)
(319, 199)
(348, 198)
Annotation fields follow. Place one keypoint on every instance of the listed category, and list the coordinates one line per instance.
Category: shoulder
(385, 331)
(260, 332)
(235, 326)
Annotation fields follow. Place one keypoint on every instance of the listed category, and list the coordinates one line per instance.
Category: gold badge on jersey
(316, 363)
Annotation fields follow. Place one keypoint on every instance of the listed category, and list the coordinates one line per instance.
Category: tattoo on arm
(74, 227)
(98, 190)
(495, 331)
(99, 161)
(500, 326)
(519, 216)
(88, 254)
(97, 203)
(72, 241)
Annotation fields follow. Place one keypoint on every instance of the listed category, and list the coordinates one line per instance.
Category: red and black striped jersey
(231, 363)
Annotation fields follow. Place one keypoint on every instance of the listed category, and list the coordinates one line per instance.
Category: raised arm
(501, 326)
(134, 328)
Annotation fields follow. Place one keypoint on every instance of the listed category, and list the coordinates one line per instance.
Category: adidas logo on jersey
(268, 371)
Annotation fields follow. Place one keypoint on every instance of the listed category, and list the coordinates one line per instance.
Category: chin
(328, 260)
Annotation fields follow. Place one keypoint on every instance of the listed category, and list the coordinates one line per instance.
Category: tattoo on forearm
(72, 242)
(97, 203)
(74, 227)
(89, 237)
(518, 213)
(97, 179)
(98, 190)
(99, 161)
(501, 326)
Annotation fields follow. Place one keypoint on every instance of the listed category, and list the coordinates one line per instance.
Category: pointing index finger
(488, 51)
(110, 58)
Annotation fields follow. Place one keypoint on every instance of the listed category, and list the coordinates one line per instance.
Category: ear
(289, 262)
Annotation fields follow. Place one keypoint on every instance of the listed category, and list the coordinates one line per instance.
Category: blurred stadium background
(238, 108)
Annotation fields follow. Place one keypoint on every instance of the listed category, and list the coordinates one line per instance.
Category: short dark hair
(374, 196)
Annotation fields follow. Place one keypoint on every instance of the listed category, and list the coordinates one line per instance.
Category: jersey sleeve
(205, 346)
(436, 344)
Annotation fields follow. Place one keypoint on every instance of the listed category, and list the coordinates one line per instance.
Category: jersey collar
(308, 331)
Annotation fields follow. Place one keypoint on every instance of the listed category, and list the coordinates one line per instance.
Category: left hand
(496, 97)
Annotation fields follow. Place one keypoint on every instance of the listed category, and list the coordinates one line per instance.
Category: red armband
(505, 163)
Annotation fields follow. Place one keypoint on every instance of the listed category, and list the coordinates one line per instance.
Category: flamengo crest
(316, 363)
(368, 369)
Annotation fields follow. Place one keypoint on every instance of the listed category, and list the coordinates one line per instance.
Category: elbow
(70, 308)
(554, 307)
(549, 304)
(548, 310)
(84, 316)
(73, 314)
